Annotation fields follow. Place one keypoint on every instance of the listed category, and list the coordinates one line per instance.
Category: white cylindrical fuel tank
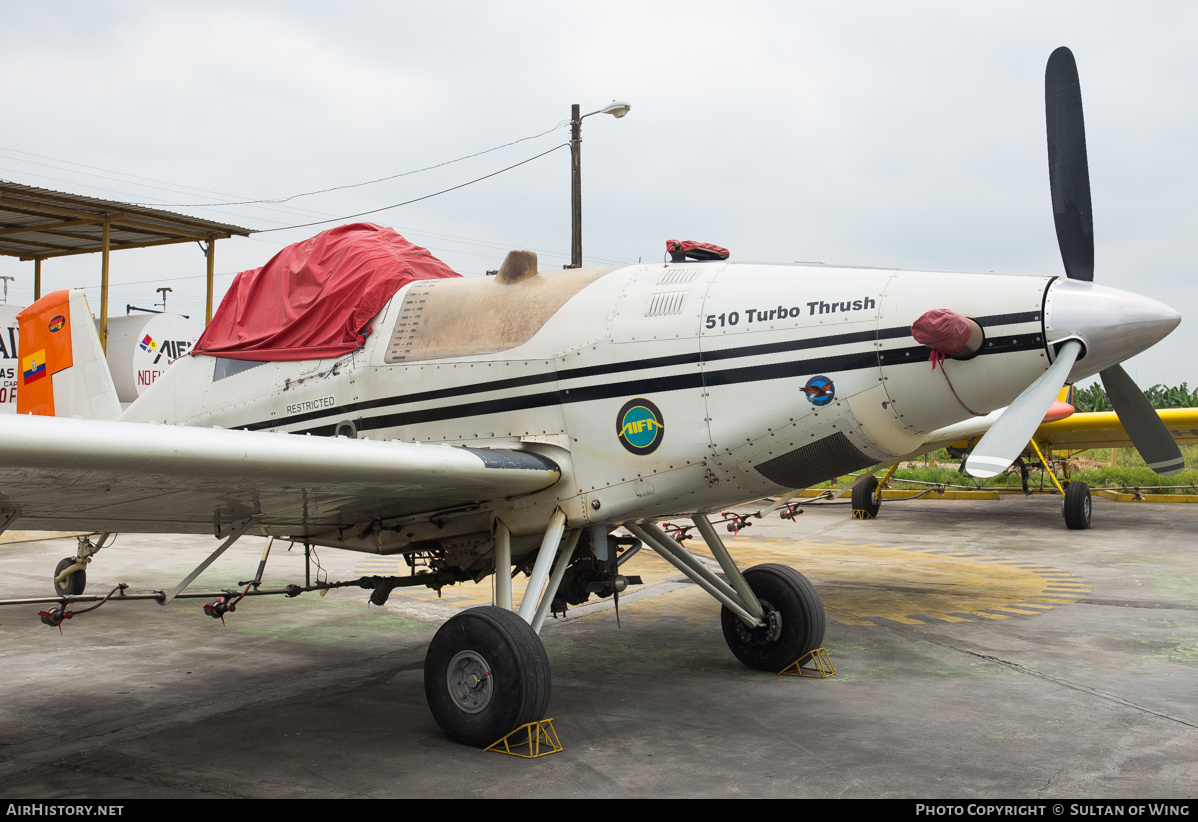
(9, 362)
(141, 346)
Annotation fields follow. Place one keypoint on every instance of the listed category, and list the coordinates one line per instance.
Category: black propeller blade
(1069, 178)
(1149, 435)
(1068, 171)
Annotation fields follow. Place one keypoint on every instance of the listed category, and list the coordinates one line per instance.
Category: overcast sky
(889, 134)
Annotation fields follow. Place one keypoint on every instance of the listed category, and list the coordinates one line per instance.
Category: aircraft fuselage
(660, 389)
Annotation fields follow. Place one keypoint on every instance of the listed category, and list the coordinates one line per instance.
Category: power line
(269, 201)
(417, 199)
(470, 241)
(116, 179)
(128, 195)
(174, 188)
(280, 200)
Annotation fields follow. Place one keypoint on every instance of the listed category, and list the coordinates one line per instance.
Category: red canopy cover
(313, 299)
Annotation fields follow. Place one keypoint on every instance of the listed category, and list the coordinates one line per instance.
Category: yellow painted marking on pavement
(36, 536)
(862, 584)
(907, 620)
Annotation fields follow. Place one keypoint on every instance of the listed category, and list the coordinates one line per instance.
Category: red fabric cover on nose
(941, 329)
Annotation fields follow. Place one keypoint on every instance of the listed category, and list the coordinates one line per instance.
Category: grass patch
(1092, 467)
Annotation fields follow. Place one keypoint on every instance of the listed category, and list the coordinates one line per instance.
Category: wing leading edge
(1102, 429)
(71, 474)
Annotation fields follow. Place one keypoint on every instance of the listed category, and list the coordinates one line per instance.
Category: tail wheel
(74, 584)
(794, 618)
(1076, 506)
(486, 673)
(867, 499)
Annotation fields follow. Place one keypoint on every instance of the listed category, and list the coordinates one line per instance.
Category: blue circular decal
(640, 426)
(819, 390)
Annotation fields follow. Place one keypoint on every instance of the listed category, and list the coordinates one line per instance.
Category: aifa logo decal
(640, 426)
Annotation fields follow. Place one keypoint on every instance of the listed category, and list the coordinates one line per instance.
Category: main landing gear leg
(486, 672)
(772, 614)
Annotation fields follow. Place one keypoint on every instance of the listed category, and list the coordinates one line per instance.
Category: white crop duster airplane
(515, 422)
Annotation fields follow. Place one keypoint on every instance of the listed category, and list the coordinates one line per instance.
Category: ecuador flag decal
(33, 367)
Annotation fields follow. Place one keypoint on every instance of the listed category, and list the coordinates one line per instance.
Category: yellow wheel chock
(540, 734)
(819, 657)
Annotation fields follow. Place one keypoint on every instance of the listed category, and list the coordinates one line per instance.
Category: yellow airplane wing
(1102, 429)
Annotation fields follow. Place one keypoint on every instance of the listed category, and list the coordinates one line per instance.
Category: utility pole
(575, 187)
(616, 109)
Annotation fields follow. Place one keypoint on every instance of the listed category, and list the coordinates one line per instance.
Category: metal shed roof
(37, 223)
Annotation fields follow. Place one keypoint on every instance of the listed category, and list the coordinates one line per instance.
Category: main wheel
(74, 584)
(794, 619)
(867, 499)
(1076, 506)
(486, 673)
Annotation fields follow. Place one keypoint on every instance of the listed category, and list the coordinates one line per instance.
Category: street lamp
(617, 109)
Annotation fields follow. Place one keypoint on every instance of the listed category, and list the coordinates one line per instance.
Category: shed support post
(210, 253)
(104, 288)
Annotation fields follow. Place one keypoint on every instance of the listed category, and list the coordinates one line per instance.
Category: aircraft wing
(1102, 429)
(70, 474)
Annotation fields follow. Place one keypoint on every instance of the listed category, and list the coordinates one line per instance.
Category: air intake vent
(677, 276)
(823, 459)
(661, 305)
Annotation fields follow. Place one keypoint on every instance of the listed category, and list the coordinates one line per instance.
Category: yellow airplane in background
(1064, 434)
(1101, 429)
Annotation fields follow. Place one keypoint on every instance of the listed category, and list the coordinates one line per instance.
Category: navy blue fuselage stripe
(689, 358)
(659, 385)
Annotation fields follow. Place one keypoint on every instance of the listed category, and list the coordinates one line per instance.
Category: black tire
(867, 499)
(74, 584)
(1076, 506)
(794, 614)
(499, 651)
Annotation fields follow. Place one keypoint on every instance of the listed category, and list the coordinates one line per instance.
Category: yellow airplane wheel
(1076, 506)
(867, 499)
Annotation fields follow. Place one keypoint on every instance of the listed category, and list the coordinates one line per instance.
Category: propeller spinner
(1104, 324)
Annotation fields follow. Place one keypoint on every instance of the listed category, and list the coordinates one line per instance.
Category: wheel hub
(469, 682)
(763, 634)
